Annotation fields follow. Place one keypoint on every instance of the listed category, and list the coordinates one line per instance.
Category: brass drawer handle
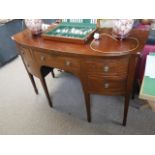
(67, 63)
(106, 68)
(42, 58)
(106, 85)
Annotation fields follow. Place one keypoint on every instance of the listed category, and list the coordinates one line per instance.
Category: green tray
(74, 32)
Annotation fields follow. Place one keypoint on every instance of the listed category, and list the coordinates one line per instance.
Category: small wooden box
(72, 30)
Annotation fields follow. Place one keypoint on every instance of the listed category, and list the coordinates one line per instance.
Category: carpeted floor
(23, 112)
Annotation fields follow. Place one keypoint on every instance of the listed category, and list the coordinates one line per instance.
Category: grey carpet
(23, 112)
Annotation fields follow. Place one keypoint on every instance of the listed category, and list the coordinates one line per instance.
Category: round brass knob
(42, 58)
(106, 85)
(106, 68)
(67, 63)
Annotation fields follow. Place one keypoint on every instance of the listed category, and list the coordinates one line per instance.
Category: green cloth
(54, 32)
(149, 86)
(152, 53)
(85, 27)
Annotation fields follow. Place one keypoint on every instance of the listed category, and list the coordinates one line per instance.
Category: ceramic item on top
(96, 36)
(34, 25)
(122, 27)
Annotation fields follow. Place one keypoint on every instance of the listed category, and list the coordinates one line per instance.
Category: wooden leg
(88, 108)
(33, 83)
(87, 98)
(126, 107)
(52, 72)
(134, 90)
(43, 82)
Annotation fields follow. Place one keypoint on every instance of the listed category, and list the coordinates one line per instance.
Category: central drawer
(107, 66)
(55, 61)
(106, 86)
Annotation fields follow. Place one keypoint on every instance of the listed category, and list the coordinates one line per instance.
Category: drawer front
(61, 62)
(29, 61)
(107, 87)
(108, 67)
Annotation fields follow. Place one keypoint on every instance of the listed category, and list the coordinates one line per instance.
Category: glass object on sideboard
(122, 27)
(34, 25)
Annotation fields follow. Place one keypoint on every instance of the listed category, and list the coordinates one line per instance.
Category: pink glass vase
(122, 27)
(34, 25)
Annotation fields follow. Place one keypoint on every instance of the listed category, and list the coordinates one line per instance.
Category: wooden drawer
(107, 67)
(55, 61)
(29, 61)
(106, 86)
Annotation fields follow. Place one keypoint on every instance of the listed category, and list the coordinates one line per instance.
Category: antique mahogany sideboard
(108, 73)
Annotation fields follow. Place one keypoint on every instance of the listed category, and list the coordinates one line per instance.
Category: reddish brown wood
(66, 63)
(126, 107)
(98, 84)
(56, 47)
(108, 66)
(22, 52)
(109, 73)
(129, 87)
(33, 82)
(88, 107)
(43, 82)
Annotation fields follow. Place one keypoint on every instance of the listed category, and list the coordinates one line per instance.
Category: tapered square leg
(33, 83)
(52, 72)
(88, 108)
(126, 107)
(43, 82)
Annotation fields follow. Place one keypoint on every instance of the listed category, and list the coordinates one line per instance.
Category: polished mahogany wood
(108, 73)
(108, 66)
(33, 82)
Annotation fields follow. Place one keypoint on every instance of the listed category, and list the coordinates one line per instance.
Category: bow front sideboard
(110, 72)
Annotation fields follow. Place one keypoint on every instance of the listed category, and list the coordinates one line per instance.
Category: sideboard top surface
(109, 47)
